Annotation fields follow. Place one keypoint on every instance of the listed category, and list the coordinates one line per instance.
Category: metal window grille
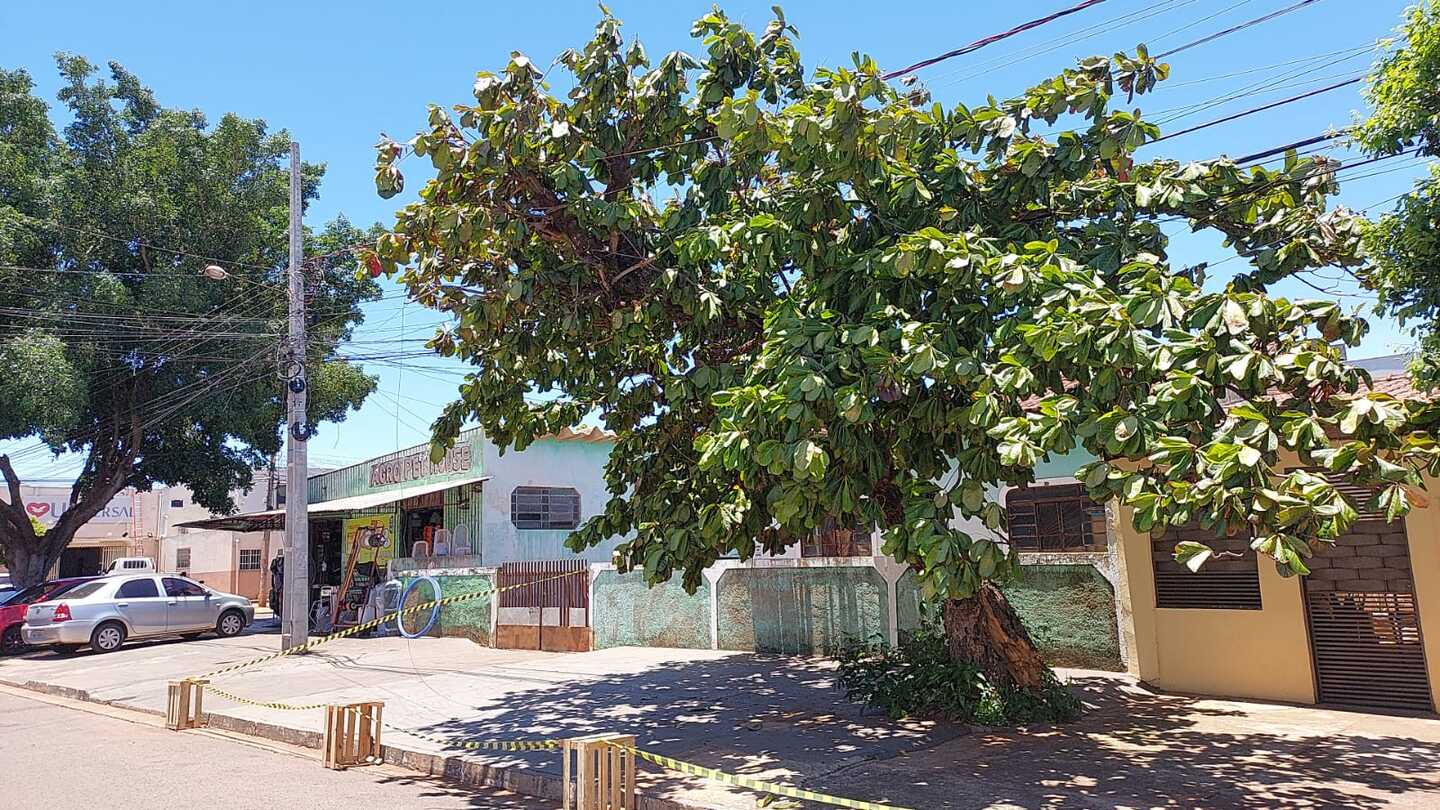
(182, 558)
(545, 507)
(833, 539)
(1228, 582)
(249, 559)
(1054, 518)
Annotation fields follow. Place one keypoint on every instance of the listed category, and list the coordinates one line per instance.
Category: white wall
(574, 463)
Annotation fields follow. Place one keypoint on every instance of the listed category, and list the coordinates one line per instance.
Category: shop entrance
(420, 527)
(80, 562)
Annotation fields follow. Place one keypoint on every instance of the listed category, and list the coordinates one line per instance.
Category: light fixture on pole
(215, 272)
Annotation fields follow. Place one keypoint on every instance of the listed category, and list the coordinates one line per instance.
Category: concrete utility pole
(295, 608)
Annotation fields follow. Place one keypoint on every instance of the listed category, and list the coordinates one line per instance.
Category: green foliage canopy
(1403, 246)
(113, 345)
(795, 300)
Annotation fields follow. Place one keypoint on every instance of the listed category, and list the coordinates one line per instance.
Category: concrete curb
(449, 767)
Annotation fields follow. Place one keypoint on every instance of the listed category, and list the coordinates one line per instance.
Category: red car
(12, 610)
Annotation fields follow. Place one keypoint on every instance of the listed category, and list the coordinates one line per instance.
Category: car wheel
(107, 637)
(230, 624)
(11, 641)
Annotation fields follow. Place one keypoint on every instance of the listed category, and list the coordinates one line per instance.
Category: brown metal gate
(541, 588)
(1364, 627)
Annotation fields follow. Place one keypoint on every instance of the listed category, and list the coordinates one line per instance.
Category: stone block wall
(1372, 557)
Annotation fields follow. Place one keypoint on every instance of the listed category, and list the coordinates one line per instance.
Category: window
(138, 589)
(174, 586)
(1054, 518)
(249, 559)
(82, 591)
(832, 539)
(279, 494)
(1228, 581)
(177, 504)
(545, 507)
(182, 558)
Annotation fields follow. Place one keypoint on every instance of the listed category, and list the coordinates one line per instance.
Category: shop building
(124, 527)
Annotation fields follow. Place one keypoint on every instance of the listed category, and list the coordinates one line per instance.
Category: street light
(215, 272)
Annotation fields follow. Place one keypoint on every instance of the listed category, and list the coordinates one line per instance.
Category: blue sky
(337, 74)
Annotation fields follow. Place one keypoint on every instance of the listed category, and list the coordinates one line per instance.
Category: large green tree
(113, 344)
(1404, 244)
(801, 298)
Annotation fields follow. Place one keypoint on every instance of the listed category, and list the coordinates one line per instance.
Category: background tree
(1403, 245)
(113, 345)
(797, 301)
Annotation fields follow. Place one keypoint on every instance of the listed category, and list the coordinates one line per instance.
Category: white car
(105, 612)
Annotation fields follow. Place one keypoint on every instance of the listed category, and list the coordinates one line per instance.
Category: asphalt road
(58, 757)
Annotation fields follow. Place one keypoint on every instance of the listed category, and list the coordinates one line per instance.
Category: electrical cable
(1233, 29)
(1253, 110)
(982, 42)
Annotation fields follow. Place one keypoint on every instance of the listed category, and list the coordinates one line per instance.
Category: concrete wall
(1422, 526)
(802, 610)
(1069, 610)
(1241, 653)
(625, 612)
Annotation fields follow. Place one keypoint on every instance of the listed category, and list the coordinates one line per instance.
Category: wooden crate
(352, 735)
(603, 766)
(185, 708)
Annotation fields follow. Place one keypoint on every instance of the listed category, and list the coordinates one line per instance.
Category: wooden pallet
(604, 772)
(352, 735)
(185, 707)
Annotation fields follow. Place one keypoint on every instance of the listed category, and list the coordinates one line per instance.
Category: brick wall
(1372, 557)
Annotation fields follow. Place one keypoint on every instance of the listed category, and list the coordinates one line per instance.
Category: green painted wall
(627, 613)
(1070, 613)
(468, 619)
(1068, 609)
(908, 614)
(800, 611)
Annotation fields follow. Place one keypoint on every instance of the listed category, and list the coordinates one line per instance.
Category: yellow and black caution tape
(483, 745)
(373, 623)
(756, 784)
(215, 690)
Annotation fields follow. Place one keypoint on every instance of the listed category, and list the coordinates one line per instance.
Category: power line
(1253, 110)
(1049, 46)
(1242, 26)
(980, 43)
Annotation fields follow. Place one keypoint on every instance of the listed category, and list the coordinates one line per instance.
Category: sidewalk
(768, 717)
(781, 719)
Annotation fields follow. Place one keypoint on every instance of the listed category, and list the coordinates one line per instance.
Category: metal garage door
(1364, 627)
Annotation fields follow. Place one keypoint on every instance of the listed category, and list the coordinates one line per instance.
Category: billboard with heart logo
(47, 504)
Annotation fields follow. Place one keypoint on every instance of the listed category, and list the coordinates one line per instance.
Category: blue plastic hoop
(434, 609)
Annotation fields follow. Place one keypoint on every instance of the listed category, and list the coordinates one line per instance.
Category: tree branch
(14, 510)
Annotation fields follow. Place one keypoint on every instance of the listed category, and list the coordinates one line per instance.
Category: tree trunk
(985, 631)
(28, 566)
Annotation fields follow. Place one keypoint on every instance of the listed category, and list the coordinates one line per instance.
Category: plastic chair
(442, 542)
(460, 541)
(420, 549)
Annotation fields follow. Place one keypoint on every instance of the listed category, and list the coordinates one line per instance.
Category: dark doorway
(80, 562)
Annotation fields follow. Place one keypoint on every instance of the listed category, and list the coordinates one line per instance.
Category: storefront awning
(275, 518)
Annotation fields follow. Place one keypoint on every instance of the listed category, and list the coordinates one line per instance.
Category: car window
(85, 589)
(138, 589)
(23, 597)
(182, 587)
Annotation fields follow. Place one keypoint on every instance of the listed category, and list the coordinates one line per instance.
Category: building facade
(124, 527)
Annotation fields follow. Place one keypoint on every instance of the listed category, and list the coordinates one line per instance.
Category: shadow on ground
(1135, 749)
(785, 721)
